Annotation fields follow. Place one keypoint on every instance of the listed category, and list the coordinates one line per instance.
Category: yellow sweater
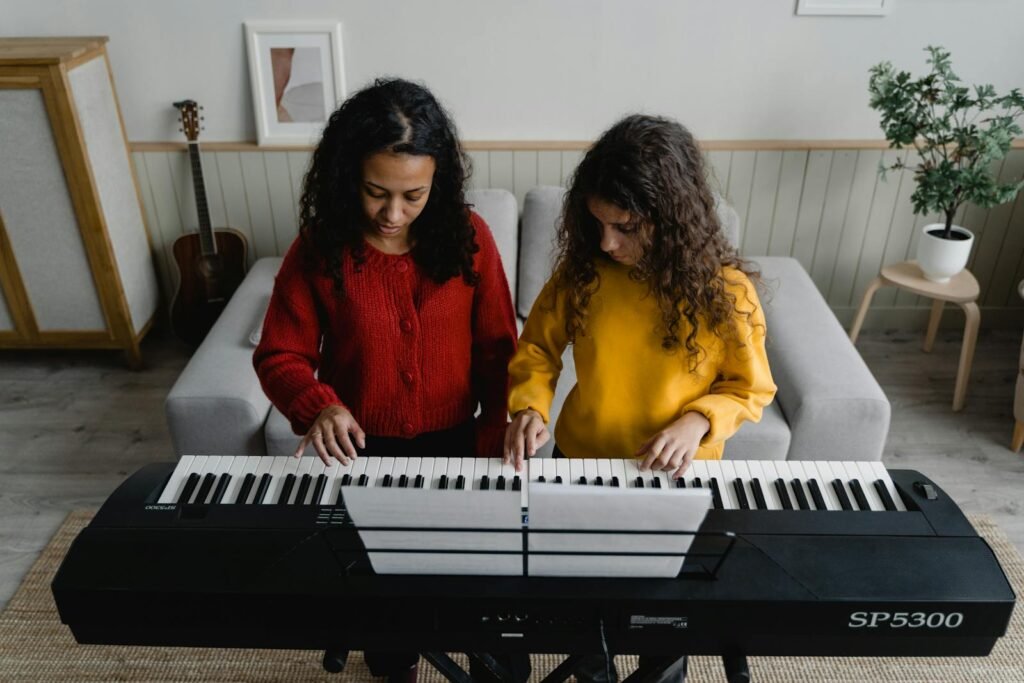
(627, 386)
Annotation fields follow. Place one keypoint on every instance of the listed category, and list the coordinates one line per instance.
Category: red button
(402, 266)
(407, 377)
(405, 325)
(407, 428)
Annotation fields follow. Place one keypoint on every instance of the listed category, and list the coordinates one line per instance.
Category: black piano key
(639, 482)
(341, 497)
(460, 483)
(883, 493)
(304, 482)
(741, 494)
(209, 479)
(801, 498)
(243, 491)
(346, 480)
(318, 490)
(541, 479)
(716, 495)
(363, 480)
(819, 500)
(598, 481)
(286, 489)
(844, 500)
(858, 495)
(190, 487)
(261, 490)
(222, 486)
(558, 479)
(386, 483)
(517, 483)
(582, 481)
(615, 482)
(442, 483)
(780, 489)
(755, 486)
(500, 484)
(697, 484)
(680, 483)
(403, 481)
(656, 482)
(485, 483)
(418, 482)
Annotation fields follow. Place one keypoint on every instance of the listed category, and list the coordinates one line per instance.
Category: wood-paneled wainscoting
(822, 202)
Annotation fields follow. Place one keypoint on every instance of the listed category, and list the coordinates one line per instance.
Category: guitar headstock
(188, 115)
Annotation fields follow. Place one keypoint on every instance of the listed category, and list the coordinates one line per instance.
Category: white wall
(549, 69)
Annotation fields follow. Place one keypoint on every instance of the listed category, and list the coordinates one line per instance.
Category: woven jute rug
(35, 646)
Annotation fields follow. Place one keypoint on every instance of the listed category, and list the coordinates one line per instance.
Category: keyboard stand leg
(334, 660)
(736, 669)
(447, 667)
(495, 669)
(564, 670)
(662, 669)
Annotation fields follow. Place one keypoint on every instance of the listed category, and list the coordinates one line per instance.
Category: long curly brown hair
(653, 168)
(391, 115)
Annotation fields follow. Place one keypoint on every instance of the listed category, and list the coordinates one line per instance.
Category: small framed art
(297, 76)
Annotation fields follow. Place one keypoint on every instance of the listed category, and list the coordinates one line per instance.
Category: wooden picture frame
(298, 79)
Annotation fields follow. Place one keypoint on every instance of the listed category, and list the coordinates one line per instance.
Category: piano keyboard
(734, 484)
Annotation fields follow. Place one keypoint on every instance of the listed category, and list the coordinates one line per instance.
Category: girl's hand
(675, 446)
(523, 436)
(330, 435)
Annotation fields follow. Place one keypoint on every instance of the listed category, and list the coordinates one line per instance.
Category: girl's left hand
(675, 446)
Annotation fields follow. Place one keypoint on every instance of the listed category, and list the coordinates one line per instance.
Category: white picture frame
(860, 8)
(297, 75)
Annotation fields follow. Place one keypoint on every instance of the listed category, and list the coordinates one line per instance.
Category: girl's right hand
(331, 435)
(523, 436)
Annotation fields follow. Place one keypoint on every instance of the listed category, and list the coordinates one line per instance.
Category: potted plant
(957, 132)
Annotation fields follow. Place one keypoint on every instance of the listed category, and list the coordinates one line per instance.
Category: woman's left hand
(674, 447)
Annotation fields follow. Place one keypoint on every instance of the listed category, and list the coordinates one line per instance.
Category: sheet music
(416, 509)
(554, 506)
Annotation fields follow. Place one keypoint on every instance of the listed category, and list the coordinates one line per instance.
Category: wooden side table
(961, 289)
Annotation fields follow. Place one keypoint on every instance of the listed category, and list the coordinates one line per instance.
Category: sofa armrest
(217, 406)
(835, 408)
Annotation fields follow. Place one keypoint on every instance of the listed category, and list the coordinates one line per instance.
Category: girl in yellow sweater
(667, 329)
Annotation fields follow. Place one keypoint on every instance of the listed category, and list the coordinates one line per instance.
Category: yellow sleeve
(743, 385)
(534, 369)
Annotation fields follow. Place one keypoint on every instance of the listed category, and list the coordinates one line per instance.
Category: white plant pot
(941, 259)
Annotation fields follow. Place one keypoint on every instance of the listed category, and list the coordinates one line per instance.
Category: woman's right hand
(523, 436)
(332, 433)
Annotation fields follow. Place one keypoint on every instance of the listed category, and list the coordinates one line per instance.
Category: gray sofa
(828, 406)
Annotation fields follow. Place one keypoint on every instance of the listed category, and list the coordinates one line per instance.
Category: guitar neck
(206, 239)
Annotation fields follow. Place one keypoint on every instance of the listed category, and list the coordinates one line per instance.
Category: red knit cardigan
(404, 354)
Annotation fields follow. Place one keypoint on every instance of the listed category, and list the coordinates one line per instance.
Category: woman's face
(394, 191)
(619, 231)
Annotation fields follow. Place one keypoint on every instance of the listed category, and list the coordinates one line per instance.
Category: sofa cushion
(279, 436)
(501, 212)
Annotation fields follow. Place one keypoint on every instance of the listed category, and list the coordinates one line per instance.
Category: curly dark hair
(653, 168)
(398, 116)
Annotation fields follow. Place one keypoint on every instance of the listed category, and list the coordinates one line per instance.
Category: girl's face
(620, 237)
(394, 191)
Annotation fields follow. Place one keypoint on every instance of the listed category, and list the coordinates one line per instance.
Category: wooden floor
(73, 425)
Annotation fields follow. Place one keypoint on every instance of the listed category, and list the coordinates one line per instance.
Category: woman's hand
(674, 447)
(523, 436)
(330, 435)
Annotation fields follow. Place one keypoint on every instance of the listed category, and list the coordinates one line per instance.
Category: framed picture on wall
(297, 77)
(844, 7)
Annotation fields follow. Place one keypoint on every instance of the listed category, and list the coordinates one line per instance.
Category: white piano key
(881, 473)
(236, 472)
(305, 465)
(562, 469)
(550, 470)
(372, 465)
(743, 473)
(427, 472)
(468, 472)
(766, 477)
(398, 469)
(604, 470)
(292, 468)
(198, 468)
(853, 473)
(440, 467)
(335, 472)
(783, 471)
(494, 470)
(797, 471)
(619, 472)
(576, 470)
(316, 468)
(277, 477)
(698, 470)
(176, 482)
(726, 475)
(412, 468)
(384, 466)
(663, 477)
(266, 462)
(632, 471)
(824, 475)
(590, 470)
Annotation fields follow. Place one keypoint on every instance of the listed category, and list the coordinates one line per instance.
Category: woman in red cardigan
(391, 321)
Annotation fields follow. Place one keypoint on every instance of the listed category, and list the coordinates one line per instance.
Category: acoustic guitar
(211, 263)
